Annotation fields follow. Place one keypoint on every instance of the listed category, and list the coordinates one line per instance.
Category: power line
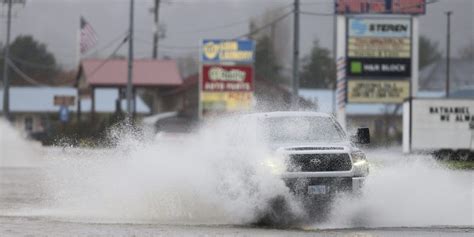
(51, 66)
(23, 75)
(317, 3)
(166, 46)
(33, 64)
(217, 27)
(110, 43)
(316, 13)
(266, 25)
(108, 58)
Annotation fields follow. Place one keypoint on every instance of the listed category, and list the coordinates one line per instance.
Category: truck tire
(463, 155)
(278, 214)
(444, 155)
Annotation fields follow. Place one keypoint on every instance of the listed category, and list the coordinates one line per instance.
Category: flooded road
(160, 189)
(29, 207)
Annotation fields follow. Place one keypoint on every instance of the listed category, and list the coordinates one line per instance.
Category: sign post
(378, 59)
(376, 55)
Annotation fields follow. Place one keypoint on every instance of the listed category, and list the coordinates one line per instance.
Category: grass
(461, 165)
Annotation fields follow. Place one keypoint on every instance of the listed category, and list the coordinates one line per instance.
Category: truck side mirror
(362, 136)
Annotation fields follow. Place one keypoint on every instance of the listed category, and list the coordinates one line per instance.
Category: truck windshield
(301, 129)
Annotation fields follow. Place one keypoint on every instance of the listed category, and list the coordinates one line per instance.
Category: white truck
(442, 127)
(319, 159)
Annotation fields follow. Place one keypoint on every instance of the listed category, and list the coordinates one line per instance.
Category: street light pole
(130, 63)
(6, 81)
(156, 33)
(448, 51)
(296, 39)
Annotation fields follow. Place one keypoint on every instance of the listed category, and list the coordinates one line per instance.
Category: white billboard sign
(376, 27)
(442, 124)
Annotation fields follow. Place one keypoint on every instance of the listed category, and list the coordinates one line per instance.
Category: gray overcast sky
(56, 23)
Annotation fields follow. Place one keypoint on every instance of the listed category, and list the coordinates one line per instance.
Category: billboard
(220, 78)
(378, 48)
(218, 50)
(412, 7)
(372, 47)
(441, 123)
(377, 91)
(221, 102)
(378, 27)
(378, 67)
(226, 88)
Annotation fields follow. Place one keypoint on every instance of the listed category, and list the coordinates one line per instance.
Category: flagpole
(78, 64)
(78, 44)
(130, 64)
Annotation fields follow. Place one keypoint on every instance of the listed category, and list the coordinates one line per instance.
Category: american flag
(88, 36)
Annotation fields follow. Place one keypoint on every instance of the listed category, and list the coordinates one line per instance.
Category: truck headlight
(358, 158)
(277, 166)
(361, 166)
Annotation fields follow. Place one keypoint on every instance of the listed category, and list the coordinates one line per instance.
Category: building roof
(40, 100)
(114, 72)
(466, 92)
(433, 76)
(324, 98)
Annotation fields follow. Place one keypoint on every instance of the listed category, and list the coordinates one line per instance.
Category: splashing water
(209, 177)
(409, 190)
(214, 177)
(15, 150)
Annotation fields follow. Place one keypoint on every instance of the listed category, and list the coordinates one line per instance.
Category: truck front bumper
(329, 185)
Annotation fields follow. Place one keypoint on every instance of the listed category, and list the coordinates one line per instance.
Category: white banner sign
(375, 27)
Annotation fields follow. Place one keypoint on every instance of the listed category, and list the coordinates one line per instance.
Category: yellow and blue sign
(218, 50)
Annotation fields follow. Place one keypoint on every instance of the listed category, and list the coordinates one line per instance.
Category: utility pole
(6, 81)
(156, 11)
(296, 38)
(448, 49)
(130, 64)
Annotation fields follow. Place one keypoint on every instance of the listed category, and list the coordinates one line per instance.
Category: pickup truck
(314, 157)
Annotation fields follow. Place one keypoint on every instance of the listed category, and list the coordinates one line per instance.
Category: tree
(428, 52)
(33, 59)
(278, 31)
(266, 64)
(319, 69)
(467, 52)
(272, 44)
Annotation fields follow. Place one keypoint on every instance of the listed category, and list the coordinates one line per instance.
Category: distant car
(313, 155)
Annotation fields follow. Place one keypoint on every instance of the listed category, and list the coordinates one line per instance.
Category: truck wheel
(463, 155)
(444, 155)
(278, 214)
(318, 210)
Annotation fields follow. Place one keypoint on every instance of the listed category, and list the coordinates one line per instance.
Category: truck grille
(319, 162)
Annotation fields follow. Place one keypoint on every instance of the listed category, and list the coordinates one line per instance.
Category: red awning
(146, 72)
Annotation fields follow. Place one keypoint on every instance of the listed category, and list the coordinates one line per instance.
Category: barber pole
(341, 83)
